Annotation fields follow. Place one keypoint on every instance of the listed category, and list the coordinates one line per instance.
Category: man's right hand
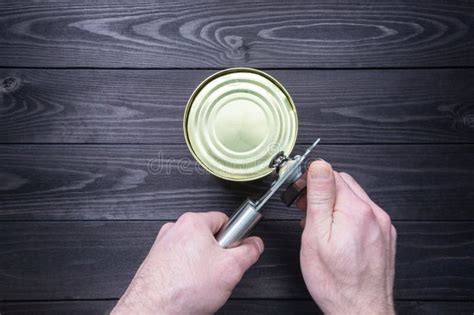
(347, 247)
(186, 271)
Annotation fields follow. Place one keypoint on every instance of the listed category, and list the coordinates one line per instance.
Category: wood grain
(89, 182)
(100, 138)
(259, 33)
(57, 308)
(126, 106)
(84, 260)
(236, 307)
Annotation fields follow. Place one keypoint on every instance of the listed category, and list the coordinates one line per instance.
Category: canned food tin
(237, 120)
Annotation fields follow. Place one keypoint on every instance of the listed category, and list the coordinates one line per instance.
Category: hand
(186, 272)
(347, 247)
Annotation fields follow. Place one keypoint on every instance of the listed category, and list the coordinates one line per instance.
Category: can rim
(205, 82)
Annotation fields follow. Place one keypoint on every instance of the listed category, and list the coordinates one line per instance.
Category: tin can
(237, 120)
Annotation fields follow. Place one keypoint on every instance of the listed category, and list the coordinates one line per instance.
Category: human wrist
(362, 306)
(134, 305)
(376, 310)
(140, 298)
(385, 310)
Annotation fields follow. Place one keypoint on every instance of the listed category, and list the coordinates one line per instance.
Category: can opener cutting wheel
(290, 171)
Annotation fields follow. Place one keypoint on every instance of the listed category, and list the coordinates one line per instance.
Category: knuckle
(364, 214)
(187, 217)
(385, 221)
(167, 226)
(365, 210)
(163, 230)
(254, 254)
(224, 216)
(319, 197)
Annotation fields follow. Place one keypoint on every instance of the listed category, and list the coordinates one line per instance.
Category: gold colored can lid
(237, 120)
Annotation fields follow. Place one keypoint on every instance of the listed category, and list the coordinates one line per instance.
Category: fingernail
(321, 170)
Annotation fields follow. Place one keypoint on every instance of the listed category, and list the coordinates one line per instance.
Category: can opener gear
(290, 171)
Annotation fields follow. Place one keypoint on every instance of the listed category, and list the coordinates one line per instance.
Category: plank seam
(231, 299)
(183, 143)
(222, 68)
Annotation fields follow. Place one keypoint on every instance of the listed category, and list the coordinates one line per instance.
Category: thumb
(321, 197)
(248, 251)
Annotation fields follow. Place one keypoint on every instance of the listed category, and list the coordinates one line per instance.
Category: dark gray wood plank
(113, 106)
(231, 307)
(434, 308)
(260, 33)
(57, 308)
(89, 182)
(96, 260)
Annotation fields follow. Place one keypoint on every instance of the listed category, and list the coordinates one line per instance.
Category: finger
(347, 200)
(383, 220)
(320, 197)
(354, 185)
(248, 251)
(164, 229)
(382, 217)
(214, 220)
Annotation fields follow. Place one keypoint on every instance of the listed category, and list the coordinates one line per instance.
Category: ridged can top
(237, 120)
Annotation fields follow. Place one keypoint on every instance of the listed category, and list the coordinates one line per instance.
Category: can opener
(290, 171)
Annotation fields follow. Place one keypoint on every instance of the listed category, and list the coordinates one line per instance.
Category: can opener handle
(290, 171)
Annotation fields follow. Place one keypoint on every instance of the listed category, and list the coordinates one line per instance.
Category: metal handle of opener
(249, 213)
(239, 225)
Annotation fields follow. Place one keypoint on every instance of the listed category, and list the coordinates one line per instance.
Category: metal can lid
(237, 120)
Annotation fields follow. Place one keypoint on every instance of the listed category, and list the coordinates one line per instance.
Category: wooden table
(91, 105)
